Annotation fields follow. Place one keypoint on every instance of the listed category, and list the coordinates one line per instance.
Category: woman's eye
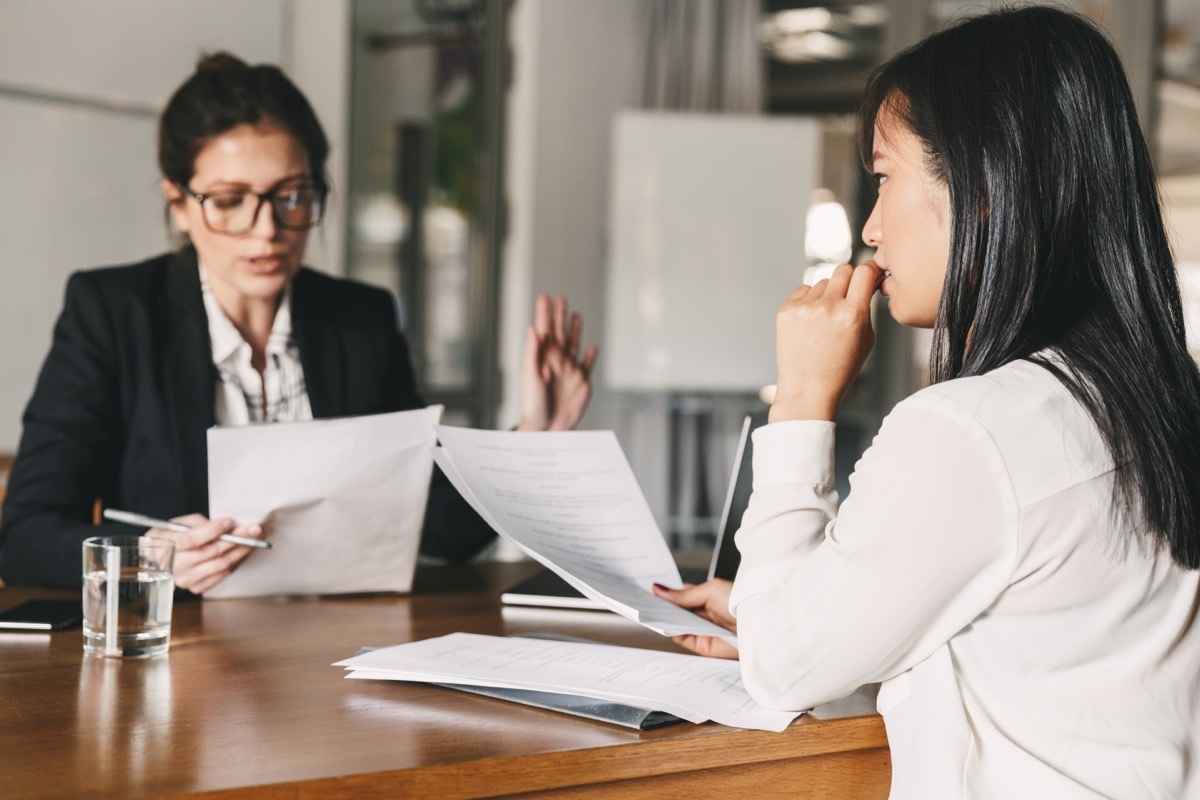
(879, 178)
(227, 202)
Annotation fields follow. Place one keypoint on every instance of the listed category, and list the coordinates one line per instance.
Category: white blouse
(1026, 649)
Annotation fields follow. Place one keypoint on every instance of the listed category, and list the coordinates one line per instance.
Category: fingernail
(658, 587)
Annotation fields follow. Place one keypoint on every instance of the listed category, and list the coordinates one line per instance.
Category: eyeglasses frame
(263, 197)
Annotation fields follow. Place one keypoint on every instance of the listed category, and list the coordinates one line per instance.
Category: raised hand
(555, 378)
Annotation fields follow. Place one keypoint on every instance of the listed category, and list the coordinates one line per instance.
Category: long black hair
(1058, 253)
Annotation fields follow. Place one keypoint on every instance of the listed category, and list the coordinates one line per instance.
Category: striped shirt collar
(240, 388)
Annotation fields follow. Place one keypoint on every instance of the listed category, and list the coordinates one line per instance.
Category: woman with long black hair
(1016, 561)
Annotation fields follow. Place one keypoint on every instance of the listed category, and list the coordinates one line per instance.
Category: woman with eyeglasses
(228, 330)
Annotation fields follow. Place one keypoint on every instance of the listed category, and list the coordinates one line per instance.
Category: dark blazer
(127, 393)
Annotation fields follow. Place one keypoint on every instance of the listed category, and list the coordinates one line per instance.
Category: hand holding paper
(570, 500)
(343, 501)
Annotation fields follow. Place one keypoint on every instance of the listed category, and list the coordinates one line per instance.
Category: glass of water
(128, 589)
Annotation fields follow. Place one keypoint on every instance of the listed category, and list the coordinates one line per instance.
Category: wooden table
(247, 704)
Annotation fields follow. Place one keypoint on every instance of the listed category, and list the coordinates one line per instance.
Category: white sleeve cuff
(796, 451)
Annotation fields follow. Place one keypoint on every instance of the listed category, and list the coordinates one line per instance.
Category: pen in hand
(130, 518)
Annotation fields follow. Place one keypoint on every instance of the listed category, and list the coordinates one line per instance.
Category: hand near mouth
(823, 334)
(883, 272)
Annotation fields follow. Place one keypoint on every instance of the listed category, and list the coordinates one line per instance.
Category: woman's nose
(872, 232)
(264, 221)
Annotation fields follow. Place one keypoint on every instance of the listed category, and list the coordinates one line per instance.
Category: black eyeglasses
(297, 206)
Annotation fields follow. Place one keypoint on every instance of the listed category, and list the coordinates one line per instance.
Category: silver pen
(130, 518)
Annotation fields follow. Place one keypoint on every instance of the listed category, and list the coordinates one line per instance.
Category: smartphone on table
(42, 615)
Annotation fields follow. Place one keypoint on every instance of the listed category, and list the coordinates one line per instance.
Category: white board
(706, 241)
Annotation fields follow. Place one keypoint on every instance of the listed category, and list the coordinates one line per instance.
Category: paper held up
(570, 500)
(342, 500)
(694, 688)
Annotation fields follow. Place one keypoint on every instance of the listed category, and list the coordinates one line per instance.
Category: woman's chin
(909, 317)
(263, 285)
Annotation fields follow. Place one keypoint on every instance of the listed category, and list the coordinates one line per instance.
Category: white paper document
(341, 500)
(570, 500)
(692, 687)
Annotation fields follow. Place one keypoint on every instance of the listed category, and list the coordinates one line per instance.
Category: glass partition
(423, 183)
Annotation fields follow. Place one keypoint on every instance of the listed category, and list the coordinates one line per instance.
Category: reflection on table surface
(247, 696)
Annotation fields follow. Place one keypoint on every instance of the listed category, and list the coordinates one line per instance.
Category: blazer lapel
(189, 379)
(320, 343)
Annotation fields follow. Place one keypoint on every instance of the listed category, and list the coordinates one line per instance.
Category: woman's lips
(265, 265)
(883, 280)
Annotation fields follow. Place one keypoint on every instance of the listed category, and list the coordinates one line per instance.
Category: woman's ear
(175, 205)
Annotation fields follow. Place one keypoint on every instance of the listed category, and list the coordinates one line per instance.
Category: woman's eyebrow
(235, 184)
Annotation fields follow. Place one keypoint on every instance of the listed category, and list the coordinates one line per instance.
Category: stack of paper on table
(342, 500)
(570, 500)
(691, 687)
(596, 708)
